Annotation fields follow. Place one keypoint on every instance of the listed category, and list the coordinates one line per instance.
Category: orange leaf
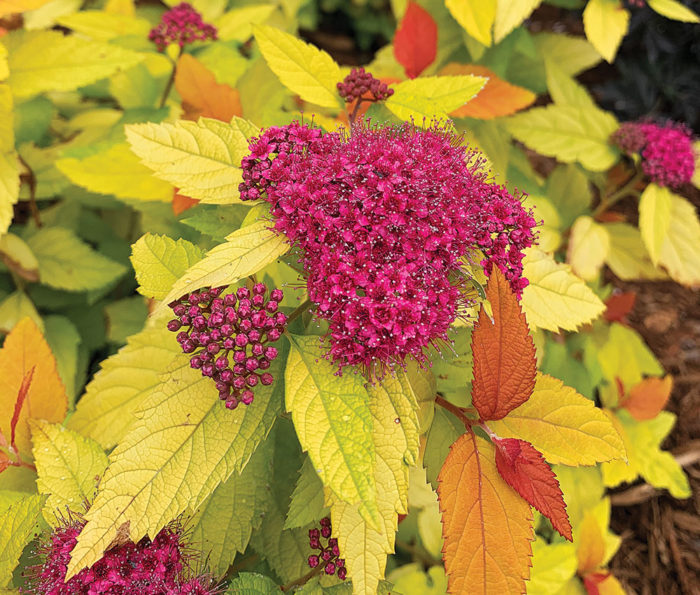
(525, 470)
(591, 545)
(619, 305)
(504, 354)
(25, 348)
(5, 461)
(415, 42)
(649, 397)
(181, 203)
(497, 98)
(201, 94)
(14, 6)
(486, 525)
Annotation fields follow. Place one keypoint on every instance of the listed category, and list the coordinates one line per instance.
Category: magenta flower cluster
(158, 567)
(384, 218)
(229, 337)
(359, 82)
(329, 555)
(182, 25)
(666, 150)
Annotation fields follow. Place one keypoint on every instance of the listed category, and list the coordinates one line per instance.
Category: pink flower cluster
(158, 567)
(329, 555)
(359, 82)
(667, 152)
(182, 25)
(384, 218)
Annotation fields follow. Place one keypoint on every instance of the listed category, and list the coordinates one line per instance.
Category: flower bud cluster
(147, 567)
(358, 83)
(182, 25)
(328, 555)
(228, 337)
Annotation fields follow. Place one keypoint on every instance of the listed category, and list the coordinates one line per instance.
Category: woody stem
(456, 411)
(302, 580)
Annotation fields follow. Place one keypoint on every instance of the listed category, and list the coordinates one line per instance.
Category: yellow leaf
(674, 10)
(552, 566)
(626, 357)
(237, 23)
(680, 250)
(477, 18)
(589, 244)
(17, 526)
(654, 218)
(509, 14)
(555, 297)
(14, 308)
(13, 6)
(301, 67)
(591, 545)
(487, 526)
(68, 466)
(562, 87)
(9, 188)
(245, 252)
(605, 23)
(201, 158)
(573, 54)
(564, 426)
(116, 171)
(25, 348)
(103, 26)
(628, 257)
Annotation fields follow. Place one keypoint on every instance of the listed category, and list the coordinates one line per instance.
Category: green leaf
(50, 61)
(17, 522)
(103, 26)
(15, 307)
(106, 411)
(125, 317)
(628, 257)
(307, 504)
(654, 218)
(476, 18)
(250, 583)
(453, 372)
(9, 187)
(432, 96)
(68, 467)
(63, 339)
(569, 191)
(116, 171)
(444, 430)
(674, 10)
(333, 420)
(568, 133)
(555, 297)
(304, 69)
(573, 54)
(605, 23)
(245, 252)
(201, 158)
(224, 523)
(159, 261)
(66, 262)
(511, 14)
(680, 250)
(183, 445)
(216, 221)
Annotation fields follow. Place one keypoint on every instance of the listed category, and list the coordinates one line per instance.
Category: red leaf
(504, 354)
(415, 42)
(525, 470)
(21, 396)
(619, 306)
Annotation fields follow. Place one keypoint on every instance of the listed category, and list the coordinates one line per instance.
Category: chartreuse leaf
(680, 250)
(245, 252)
(477, 18)
(201, 158)
(410, 578)
(569, 133)
(643, 441)
(64, 340)
(487, 526)
(626, 357)
(654, 218)
(333, 420)
(237, 24)
(589, 245)
(17, 522)
(103, 26)
(250, 583)
(432, 96)
(106, 410)
(223, 524)
(605, 23)
(159, 261)
(509, 14)
(66, 262)
(50, 61)
(555, 297)
(25, 350)
(68, 466)
(552, 567)
(125, 317)
(14, 308)
(304, 69)
(307, 504)
(562, 87)
(572, 53)
(674, 10)
(628, 257)
(564, 426)
(444, 430)
(183, 444)
(569, 191)
(9, 186)
(116, 171)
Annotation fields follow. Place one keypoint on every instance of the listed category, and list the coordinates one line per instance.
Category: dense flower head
(358, 84)
(329, 554)
(229, 337)
(667, 152)
(182, 25)
(158, 567)
(385, 217)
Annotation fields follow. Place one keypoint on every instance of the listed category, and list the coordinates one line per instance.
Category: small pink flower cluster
(667, 152)
(385, 217)
(328, 555)
(229, 337)
(158, 567)
(359, 82)
(182, 24)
